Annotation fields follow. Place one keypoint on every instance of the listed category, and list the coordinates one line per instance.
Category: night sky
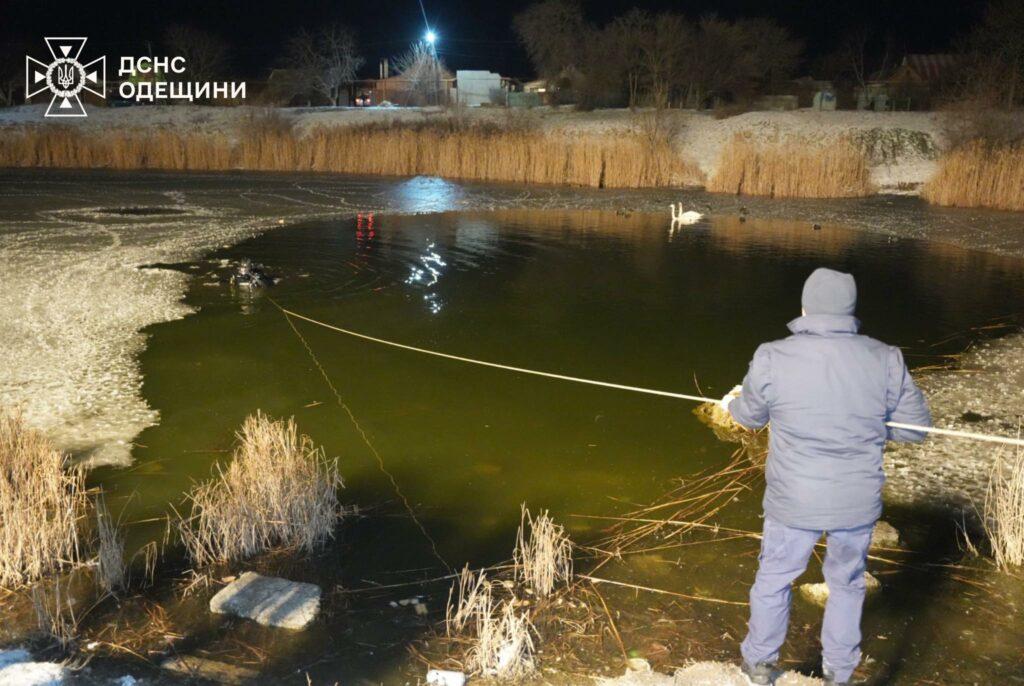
(474, 33)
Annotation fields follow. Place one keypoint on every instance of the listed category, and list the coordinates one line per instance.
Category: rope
(366, 440)
(495, 365)
(970, 435)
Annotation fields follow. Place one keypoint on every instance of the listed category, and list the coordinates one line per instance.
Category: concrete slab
(269, 601)
(210, 670)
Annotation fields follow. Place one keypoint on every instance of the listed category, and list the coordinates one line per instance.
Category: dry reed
(504, 646)
(55, 614)
(693, 503)
(792, 169)
(499, 637)
(279, 491)
(1004, 510)
(543, 558)
(41, 503)
(474, 593)
(979, 175)
(111, 570)
(440, 147)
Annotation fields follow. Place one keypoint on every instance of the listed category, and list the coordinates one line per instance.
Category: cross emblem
(65, 77)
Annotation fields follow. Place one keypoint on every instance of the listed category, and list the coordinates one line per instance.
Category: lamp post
(431, 39)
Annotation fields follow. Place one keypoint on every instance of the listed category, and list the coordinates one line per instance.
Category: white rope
(622, 387)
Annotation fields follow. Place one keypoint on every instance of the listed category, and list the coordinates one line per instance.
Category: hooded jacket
(828, 393)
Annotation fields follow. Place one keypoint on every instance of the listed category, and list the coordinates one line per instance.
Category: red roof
(929, 67)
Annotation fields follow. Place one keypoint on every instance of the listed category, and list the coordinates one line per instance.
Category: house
(476, 88)
(913, 85)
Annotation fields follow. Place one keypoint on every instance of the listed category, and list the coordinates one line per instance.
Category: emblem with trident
(65, 77)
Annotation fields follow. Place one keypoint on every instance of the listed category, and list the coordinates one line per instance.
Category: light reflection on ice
(427, 194)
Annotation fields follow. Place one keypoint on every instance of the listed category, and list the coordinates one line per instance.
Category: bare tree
(555, 35)
(423, 74)
(720, 64)
(628, 34)
(774, 52)
(12, 73)
(650, 53)
(860, 56)
(324, 62)
(206, 55)
(997, 44)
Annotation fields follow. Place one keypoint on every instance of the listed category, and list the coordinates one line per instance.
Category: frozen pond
(101, 354)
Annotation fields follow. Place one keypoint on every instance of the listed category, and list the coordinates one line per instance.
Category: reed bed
(1004, 510)
(42, 501)
(979, 175)
(792, 169)
(446, 148)
(278, 491)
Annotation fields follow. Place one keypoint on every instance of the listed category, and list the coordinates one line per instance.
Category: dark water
(584, 293)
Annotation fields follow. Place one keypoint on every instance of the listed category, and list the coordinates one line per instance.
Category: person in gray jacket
(828, 393)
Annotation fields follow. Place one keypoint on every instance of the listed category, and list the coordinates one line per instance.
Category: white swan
(681, 218)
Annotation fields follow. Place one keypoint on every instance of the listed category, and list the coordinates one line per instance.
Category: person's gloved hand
(729, 397)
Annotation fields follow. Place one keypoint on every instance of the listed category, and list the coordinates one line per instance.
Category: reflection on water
(426, 275)
(593, 294)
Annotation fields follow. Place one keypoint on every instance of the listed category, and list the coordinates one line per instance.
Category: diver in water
(249, 274)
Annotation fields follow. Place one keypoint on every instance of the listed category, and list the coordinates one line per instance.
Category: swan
(686, 218)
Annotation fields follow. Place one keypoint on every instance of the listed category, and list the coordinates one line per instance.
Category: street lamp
(430, 37)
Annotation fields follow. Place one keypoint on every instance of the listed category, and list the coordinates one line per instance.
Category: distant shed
(476, 87)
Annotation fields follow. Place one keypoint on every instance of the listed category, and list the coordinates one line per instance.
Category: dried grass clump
(504, 646)
(792, 169)
(279, 491)
(979, 175)
(544, 557)
(500, 637)
(111, 570)
(721, 422)
(474, 593)
(1004, 510)
(41, 502)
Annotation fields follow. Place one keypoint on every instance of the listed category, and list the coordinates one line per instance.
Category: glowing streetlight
(430, 37)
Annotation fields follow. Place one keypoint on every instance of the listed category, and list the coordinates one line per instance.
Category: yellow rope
(622, 387)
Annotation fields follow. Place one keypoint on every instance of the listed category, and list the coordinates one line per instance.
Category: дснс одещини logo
(65, 77)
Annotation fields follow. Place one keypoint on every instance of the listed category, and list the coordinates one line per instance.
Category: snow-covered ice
(18, 669)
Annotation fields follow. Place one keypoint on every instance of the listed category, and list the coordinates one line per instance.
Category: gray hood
(827, 291)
